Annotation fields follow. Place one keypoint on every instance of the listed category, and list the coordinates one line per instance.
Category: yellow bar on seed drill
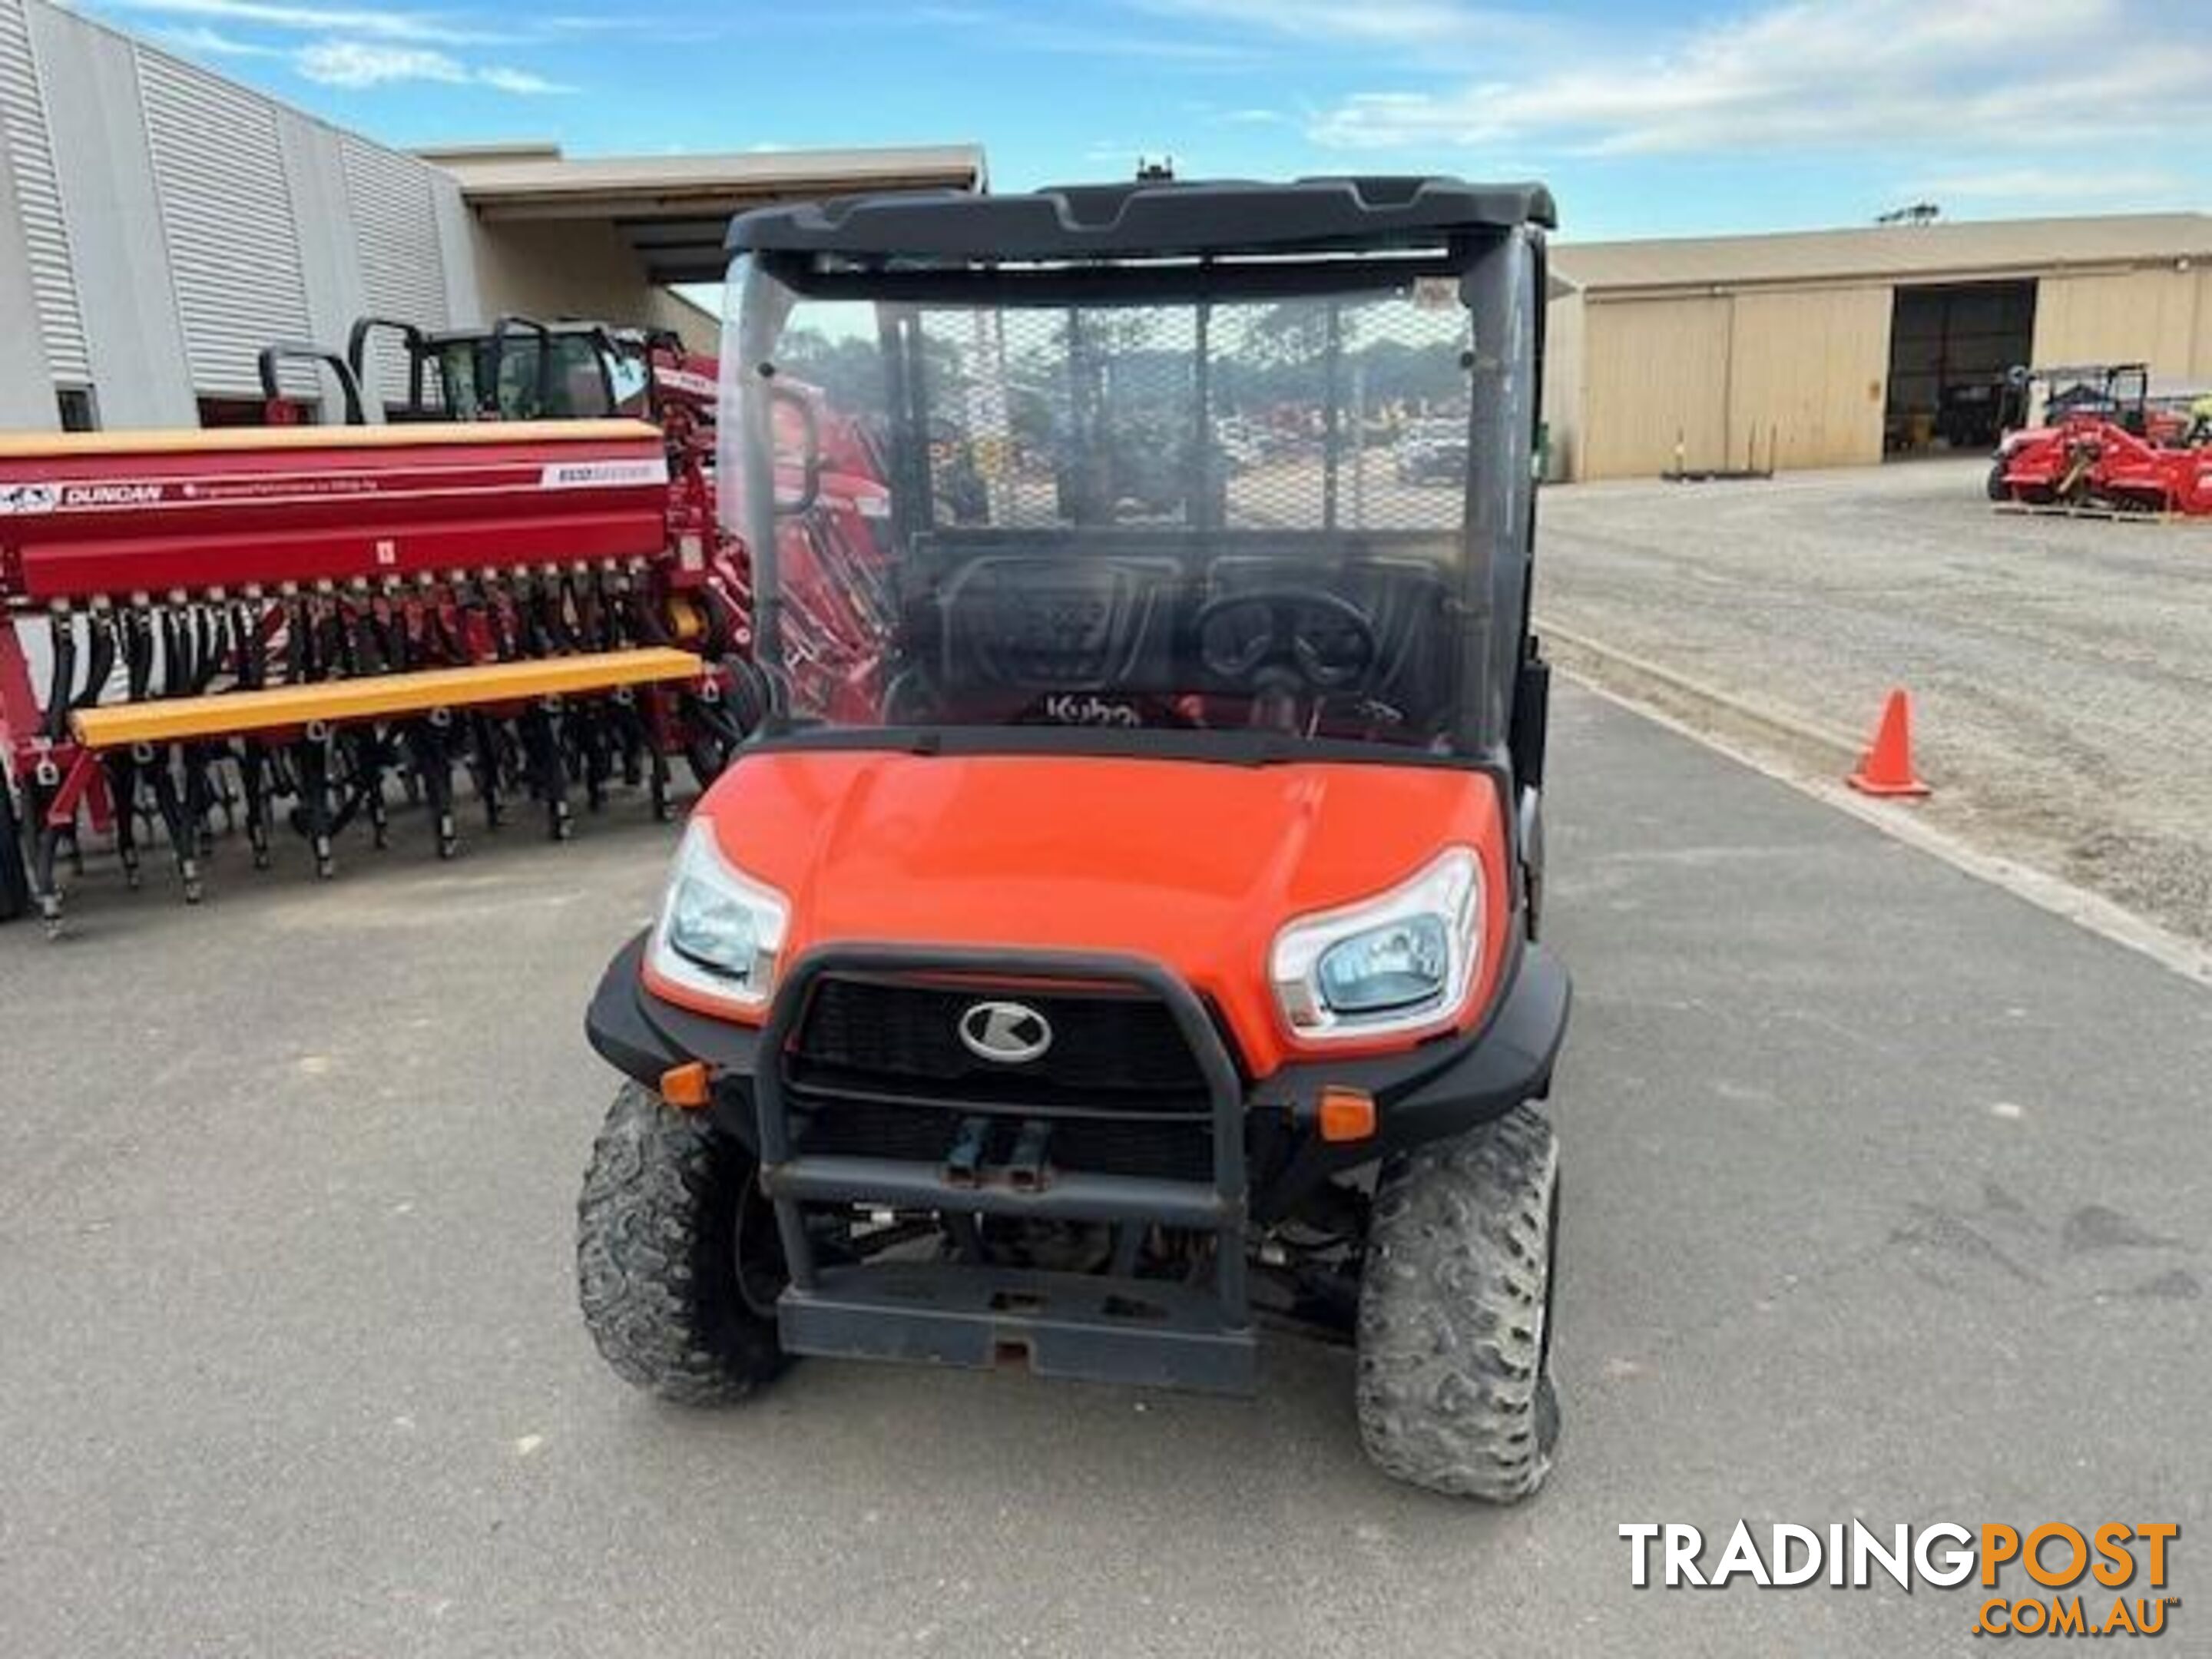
(378, 696)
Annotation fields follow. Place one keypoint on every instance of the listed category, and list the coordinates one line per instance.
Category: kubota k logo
(1007, 1032)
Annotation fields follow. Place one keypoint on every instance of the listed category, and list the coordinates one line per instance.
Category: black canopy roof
(1147, 218)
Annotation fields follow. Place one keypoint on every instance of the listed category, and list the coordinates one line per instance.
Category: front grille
(1110, 1050)
(876, 1068)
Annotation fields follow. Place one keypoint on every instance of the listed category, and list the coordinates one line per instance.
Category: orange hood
(1194, 865)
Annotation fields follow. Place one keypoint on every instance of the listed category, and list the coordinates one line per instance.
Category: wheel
(1454, 1382)
(15, 874)
(1999, 490)
(678, 1264)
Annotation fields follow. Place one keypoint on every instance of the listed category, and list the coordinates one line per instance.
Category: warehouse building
(160, 224)
(1835, 347)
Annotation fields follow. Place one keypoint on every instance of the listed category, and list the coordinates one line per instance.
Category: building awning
(674, 210)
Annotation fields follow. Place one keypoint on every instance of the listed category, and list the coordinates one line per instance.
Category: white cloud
(522, 83)
(1815, 75)
(204, 42)
(362, 46)
(1423, 24)
(378, 23)
(1089, 33)
(358, 63)
(2043, 185)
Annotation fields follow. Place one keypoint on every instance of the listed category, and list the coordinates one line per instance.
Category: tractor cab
(519, 369)
(2044, 400)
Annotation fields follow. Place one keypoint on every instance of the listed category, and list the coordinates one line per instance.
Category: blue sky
(1647, 120)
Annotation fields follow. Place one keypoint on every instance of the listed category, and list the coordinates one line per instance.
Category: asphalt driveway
(1888, 1195)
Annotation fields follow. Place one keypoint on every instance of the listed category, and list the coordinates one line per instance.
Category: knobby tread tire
(1454, 1391)
(656, 1256)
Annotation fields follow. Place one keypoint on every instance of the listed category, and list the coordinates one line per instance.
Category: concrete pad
(1887, 1196)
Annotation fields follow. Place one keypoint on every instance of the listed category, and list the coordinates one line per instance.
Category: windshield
(1037, 509)
(572, 384)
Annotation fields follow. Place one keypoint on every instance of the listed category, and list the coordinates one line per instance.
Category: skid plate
(1066, 1325)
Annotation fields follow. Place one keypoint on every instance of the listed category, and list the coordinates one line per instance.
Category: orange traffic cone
(1885, 769)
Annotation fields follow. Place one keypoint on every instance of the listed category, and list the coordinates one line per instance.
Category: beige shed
(1835, 347)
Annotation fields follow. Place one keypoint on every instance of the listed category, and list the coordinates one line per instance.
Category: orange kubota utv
(1141, 943)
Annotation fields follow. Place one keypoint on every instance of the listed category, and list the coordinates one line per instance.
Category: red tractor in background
(521, 368)
(2101, 447)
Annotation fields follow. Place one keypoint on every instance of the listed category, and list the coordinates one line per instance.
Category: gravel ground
(2061, 670)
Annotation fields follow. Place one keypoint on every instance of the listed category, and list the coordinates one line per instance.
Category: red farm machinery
(505, 591)
(2102, 448)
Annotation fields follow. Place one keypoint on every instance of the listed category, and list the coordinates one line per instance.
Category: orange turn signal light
(1346, 1114)
(689, 1087)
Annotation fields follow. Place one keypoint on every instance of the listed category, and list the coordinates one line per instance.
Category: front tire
(677, 1264)
(14, 873)
(1999, 490)
(1455, 1386)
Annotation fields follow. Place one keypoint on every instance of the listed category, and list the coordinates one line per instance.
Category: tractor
(2103, 448)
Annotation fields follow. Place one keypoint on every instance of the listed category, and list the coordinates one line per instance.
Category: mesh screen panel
(1316, 414)
(1245, 512)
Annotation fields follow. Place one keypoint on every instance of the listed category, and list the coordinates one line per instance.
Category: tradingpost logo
(2054, 1578)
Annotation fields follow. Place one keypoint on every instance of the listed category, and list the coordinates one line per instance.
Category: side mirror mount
(791, 501)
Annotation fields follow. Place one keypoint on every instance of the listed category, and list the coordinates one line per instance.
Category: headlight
(720, 931)
(1401, 960)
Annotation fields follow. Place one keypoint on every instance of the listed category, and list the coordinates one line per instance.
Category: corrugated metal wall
(395, 221)
(163, 224)
(227, 213)
(30, 160)
(98, 131)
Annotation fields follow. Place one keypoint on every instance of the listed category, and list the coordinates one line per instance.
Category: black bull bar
(1105, 1327)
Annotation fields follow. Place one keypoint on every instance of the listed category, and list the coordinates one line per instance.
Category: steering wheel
(1328, 639)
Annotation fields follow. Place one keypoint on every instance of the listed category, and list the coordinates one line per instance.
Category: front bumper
(1267, 1157)
(1442, 1088)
